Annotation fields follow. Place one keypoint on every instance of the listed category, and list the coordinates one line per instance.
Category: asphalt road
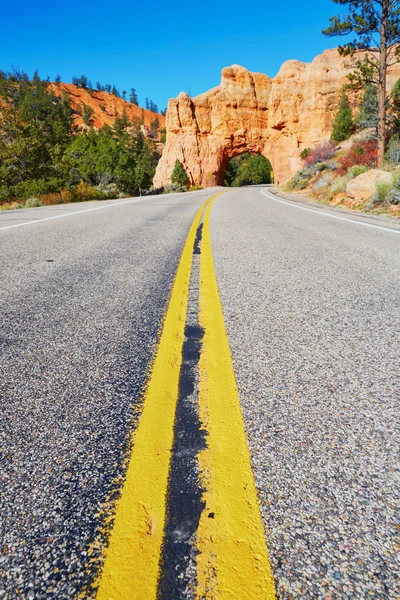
(312, 310)
(76, 339)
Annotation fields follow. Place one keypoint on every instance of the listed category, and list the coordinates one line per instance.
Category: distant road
(311, 305)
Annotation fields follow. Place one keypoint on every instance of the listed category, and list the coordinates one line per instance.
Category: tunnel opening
(248, 169)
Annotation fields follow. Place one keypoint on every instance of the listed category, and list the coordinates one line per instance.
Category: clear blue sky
(160, 48)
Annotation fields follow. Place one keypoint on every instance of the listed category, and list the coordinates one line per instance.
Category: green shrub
(384, 192)
(35, 187)
(356, 170)
(301, 179)
(321, 166)
(338, 185)
(302, 183)
(304, 153)
(32, 202)
(172, 188)
(194, 188)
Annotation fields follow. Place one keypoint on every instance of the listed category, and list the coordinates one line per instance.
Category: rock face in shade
(250, 112)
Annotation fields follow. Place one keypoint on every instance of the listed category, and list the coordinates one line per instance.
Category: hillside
(105, 106)
(63, 143)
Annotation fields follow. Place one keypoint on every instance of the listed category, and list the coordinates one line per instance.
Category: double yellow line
(232, 560)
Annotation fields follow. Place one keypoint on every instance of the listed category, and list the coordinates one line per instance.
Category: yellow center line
(232, 562)
(132, 562)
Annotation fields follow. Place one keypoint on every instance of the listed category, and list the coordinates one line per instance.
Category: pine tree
(368, 115)
(154, 125)
(370, 20)
(179, 176)
(343, 124)
(395, 108)
(133, 97)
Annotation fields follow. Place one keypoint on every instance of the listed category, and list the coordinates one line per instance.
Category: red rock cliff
(106, 107)
(250, 112)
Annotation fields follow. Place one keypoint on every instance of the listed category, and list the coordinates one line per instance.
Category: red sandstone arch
(250, 112)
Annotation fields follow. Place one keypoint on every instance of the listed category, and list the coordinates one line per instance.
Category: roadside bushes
(301, 179)
(363, 152)
(319, 154)
(33, 202)
(387, 192)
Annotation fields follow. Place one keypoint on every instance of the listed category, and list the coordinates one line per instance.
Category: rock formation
(105, 106)
(250, 112)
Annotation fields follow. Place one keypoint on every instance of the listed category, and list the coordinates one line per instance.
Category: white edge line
(79, 212)
(324, 214)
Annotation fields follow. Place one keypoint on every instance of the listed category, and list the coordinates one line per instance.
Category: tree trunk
(382, 84)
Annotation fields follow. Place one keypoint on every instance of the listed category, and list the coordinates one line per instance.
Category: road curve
(310, 300)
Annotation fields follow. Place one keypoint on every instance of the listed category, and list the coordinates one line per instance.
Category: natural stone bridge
(250, 112)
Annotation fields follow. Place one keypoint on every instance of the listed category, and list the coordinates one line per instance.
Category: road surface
(128, 452)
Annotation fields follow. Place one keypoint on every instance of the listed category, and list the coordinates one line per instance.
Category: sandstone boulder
(363, 186)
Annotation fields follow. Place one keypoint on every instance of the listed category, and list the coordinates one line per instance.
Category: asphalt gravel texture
(312, 309)
(82, 301)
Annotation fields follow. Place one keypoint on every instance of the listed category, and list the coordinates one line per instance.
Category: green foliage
(338, 185)
(343, 124)
(107, 156)
(33, 202)
(364, 19)
(393, 150)
(179, 176)
(247, 169)
(133, 97)
(301, 179)
(150, 105)
(154, 125)
(41, 155)
(384, 191)
(87, 113)
(376, 26)
(82, 82)
(395, 199)
(357, 170)
(368, 115)
(304, 153)
(395, 107)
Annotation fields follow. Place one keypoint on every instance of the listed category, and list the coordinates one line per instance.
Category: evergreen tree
(133, 97)
(153, 106)
(57, 79)
(395, 108)
(146, 104)
(124, 94)
(368, 115)
(154, 125)
(343, 124)
(371, 20)
(179, 176)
